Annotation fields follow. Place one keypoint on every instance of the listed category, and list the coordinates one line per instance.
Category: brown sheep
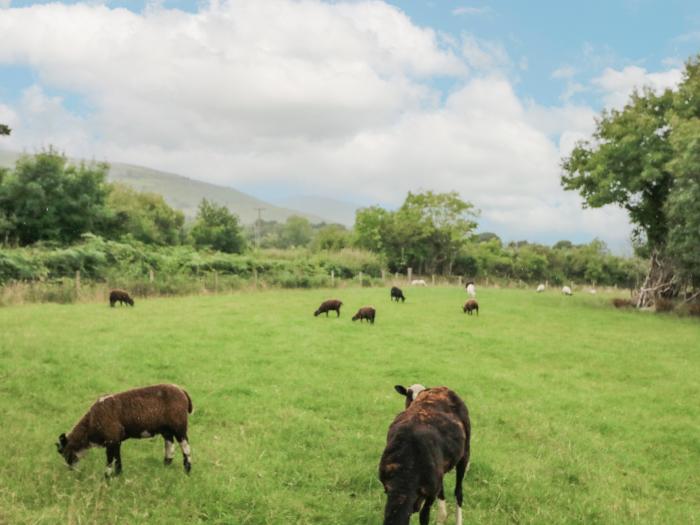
(424, 442)
(470, 305)
(329, 305)
(621, 303)
(138, 413)
(120, 296)
(366, 312)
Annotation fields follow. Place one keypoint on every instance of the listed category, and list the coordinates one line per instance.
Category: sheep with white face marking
(471, 289)
(138, 413)
(424, 442)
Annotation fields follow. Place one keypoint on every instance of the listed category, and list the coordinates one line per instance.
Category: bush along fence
(87, 271)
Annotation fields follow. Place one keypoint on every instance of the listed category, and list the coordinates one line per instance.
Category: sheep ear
(401, 390)
(63, 440)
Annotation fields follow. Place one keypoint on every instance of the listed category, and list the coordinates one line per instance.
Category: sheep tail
(190, 408)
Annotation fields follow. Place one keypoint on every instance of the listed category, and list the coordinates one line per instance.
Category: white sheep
(566, 291)
(418, 282)
(471, 289)
(540, 288)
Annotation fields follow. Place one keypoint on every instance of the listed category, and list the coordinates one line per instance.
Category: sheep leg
(442, 506)
(186, 453)
(425, 511)
(113, 460)
(169, 449)
(461, 469)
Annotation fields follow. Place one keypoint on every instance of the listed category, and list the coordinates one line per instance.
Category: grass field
(580, 413)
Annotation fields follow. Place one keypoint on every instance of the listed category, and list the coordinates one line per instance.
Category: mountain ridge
(185, 194)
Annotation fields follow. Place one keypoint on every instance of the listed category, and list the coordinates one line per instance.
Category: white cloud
(469, 10)
(564, 72)
(5, 4)
(257, 95)
(483, 54)
(618, 85)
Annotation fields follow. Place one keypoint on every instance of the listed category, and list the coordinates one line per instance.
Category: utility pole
(258, 224)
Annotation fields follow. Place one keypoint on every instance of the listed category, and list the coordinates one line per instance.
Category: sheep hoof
(188, 468)
(168, 461)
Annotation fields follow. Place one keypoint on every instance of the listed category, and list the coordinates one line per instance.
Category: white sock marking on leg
(459, 515)
(169, 450)
(185, 446)
(442, 511)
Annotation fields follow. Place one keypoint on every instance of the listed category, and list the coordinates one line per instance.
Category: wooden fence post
(409, 274)
(216, 281)
(433, 279)
(459, 280)
(77, 281)
(255, 277)
(360, 279)
(151, 275)
(383, 277)
(332, 278)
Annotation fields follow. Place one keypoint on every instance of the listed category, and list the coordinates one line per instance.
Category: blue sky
(358, 101)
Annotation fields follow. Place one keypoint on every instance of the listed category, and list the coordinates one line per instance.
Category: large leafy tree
(45, 198)
(644, 158)
(143, 216)
(217, 228)
(426, 233)
(5, 129)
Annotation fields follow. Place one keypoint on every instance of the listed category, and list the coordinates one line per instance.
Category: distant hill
(185, 194)
(335, 211)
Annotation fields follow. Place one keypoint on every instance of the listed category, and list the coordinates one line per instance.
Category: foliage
(295, 233)
(144, 216)
(217, 228)
(645, 158)
(683, 206)
(5, 129)
(331, 237)
(425, 233)
(46, 198)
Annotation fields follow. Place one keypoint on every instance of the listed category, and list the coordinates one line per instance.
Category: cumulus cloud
(618, 85)
(256, 95)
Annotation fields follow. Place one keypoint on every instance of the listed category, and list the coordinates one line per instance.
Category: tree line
(47, 201)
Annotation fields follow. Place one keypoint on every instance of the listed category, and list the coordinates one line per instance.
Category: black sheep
(329, 305)
(424, 442)
(120, 296)
(397, 294)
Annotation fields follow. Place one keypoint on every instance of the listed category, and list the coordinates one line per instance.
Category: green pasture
(581, 413)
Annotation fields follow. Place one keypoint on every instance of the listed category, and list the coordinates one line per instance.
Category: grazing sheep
(138, 413)
(418, 282)
(366, 312)
(121, 296)
(621, 303)
(592, 291)
(471, 289)
(540, 288)
(425, 441)
(329, 305)
(471, 305)
(566, 291)
(397, 294)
